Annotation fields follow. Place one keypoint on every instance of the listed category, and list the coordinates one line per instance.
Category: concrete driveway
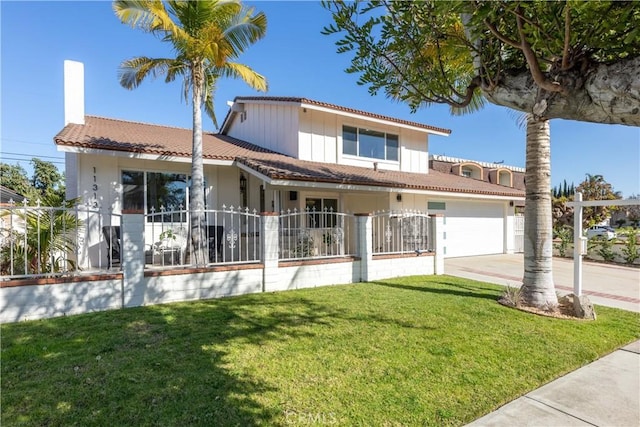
(608, 285)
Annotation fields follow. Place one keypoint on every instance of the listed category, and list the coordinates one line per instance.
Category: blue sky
(36, 37)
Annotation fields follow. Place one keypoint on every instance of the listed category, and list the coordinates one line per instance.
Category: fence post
(132, 258)
(365, 244)
(437, 221)
(269, 240)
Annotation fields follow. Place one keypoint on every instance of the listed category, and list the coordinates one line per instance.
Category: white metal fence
(46, 241)
(232, 235)
(37, 241)
(401, 232)
(316, 234)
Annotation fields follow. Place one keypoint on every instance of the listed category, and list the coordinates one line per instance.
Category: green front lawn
(410, 351)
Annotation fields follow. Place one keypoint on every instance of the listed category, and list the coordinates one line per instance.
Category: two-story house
(280, 153)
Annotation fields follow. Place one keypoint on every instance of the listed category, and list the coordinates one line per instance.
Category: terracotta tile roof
(301, 170)
(338, 108)
(118, 135)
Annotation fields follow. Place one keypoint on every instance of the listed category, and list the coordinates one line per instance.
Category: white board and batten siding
(268, 125)
(314, 135)
(317, 136)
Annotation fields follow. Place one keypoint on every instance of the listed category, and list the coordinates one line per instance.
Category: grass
(410, 351)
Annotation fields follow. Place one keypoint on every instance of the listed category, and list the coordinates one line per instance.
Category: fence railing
(44, 241)
(231, 234)
(37, 241)
(316, 234)
(401, 232)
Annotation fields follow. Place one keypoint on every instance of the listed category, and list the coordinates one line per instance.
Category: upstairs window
(369, 143)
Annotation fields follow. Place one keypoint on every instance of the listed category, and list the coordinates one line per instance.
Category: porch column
(365, 244)
(269, 240)
(437, 242)
(132, 257)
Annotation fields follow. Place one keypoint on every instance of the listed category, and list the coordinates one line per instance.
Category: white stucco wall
(398, 267)
(193, 286)
(311, 276)
(43, 301)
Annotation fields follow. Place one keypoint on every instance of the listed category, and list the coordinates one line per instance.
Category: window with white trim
(321, 212)
(369, 143)
(151, 191)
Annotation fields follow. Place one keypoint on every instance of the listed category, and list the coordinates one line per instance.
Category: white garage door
(474, 228)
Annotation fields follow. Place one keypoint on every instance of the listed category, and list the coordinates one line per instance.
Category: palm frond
(133, 71)
(244, 29)
(248, 75)
(148, 15)
(211, 81)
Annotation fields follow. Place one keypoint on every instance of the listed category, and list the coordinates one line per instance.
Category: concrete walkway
(603, 393)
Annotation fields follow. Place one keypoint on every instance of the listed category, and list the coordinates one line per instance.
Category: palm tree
(537, 286)
(40, 239)
(207, 37)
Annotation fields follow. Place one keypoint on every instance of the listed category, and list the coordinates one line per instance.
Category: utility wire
(22, 154)
(24, 142)
(22, 160)
(31, 155)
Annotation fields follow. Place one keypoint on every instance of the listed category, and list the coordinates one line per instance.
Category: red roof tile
(119, 135)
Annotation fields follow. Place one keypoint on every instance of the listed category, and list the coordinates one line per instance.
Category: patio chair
(216, 236)
(112, 238)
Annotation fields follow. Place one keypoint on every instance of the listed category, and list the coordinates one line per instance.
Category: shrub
(565, 234)
(512, 296)
(304, 246)
(630, 249)
(606, 249)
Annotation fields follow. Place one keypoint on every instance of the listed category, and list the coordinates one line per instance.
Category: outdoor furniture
(171, 248)
(216, 236)
(112, 238)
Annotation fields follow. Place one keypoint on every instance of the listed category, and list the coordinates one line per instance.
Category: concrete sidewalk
(603, 393)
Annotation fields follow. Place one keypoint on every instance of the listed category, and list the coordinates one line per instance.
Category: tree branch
(500, 36)
(567, 38)
(419, 50)
(532, 60)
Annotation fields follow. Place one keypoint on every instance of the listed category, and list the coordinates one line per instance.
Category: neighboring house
(9, 221)
(7, 195)
(495, 173)
(281, 153)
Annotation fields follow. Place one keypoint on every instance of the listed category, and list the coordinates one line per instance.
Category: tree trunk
(196, 201)
(538, 289)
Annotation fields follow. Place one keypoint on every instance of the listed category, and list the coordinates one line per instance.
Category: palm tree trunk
(196, 202)
(538, 289)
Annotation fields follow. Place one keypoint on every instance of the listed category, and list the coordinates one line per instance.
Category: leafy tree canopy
(571, 59)
(46, 183)
(595, 187)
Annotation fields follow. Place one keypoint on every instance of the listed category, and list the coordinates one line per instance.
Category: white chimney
(73, 92)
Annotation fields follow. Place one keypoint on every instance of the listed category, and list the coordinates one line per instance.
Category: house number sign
(94, 187)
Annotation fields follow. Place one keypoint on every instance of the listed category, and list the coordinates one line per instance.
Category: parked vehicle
(601, 231)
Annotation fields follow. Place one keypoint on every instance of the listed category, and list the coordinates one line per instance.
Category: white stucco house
(279, 153)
